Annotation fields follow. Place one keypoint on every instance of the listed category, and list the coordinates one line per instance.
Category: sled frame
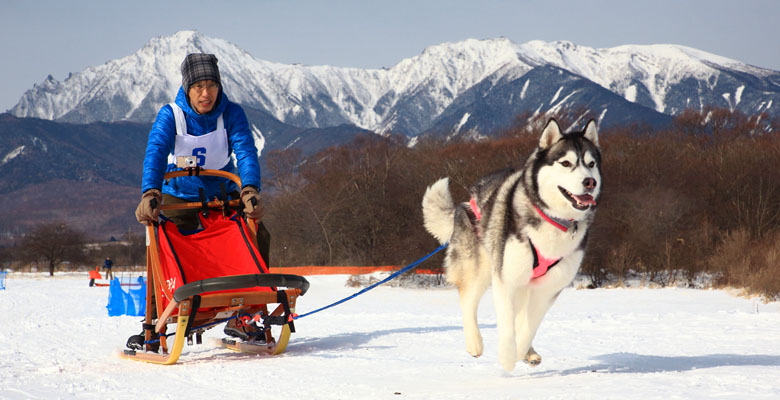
(190, 298)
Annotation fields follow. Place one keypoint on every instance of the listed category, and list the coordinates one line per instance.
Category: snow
(259, 139)
(601, 116)
(630, 93)
(412, 142)
(292, 143)
(525, 88)
(57, 341)
(738, 94)
(462, 122)
(555, 96)
(40, 143)
(12, 154)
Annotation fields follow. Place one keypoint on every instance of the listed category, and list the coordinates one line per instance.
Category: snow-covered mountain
(487, 82)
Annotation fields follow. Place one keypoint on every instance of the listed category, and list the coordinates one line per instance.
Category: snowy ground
(57, 341)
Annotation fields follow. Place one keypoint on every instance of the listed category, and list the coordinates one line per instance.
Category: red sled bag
(225, 247)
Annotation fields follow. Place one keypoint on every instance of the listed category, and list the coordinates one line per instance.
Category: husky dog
(524, 231)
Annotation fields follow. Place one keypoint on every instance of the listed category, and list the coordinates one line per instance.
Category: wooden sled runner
(202, 279)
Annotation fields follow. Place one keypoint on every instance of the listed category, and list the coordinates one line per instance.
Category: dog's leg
(472, 285)
(521, 325)
(503, 297)
(469, 303)
(539, 302)
(509, 295)
(469, 270)
(541, 297)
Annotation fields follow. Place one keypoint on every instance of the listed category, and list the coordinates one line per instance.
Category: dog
(523, 231)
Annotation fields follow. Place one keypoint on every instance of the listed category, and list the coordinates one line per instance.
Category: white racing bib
(210, 150)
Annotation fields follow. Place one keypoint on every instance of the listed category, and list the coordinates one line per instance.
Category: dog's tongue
(585, 199)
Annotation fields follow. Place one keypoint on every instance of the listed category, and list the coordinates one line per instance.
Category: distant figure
(107, 265)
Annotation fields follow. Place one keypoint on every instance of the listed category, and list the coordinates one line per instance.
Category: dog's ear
(551, 134)
(592, 133)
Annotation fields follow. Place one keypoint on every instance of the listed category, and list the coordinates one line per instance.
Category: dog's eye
(566, 164)
(591, 164)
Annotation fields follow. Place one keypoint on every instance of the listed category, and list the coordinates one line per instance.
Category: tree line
(700, 198)
(55, 245)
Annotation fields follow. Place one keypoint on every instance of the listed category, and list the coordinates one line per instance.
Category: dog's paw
(507, 362)
(507, 355)
(532, 358)
(474, 345)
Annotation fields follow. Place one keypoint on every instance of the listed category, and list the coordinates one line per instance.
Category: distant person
(107, 266)
(204, 124)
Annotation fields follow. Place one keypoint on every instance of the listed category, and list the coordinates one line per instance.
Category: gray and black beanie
(197, 67)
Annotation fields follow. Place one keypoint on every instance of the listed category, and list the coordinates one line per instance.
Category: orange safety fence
(339, 270)
(309, 270)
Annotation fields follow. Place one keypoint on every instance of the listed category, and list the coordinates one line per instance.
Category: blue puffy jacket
(162, 138)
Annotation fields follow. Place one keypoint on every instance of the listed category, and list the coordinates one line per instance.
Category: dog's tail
(439, 210)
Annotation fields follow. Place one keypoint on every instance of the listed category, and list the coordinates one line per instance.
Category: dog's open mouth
(579, 201)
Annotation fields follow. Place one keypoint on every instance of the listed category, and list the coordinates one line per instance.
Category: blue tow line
(383, 281)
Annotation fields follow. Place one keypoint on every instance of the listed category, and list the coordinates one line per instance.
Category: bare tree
(5, 257)
(53, 242)
(691, 122)
(284, 165)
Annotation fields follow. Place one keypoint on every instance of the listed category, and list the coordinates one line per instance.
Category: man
(107, 266)
(201, 123)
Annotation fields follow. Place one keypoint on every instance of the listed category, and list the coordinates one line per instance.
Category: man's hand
(253, 205)
(149, 208)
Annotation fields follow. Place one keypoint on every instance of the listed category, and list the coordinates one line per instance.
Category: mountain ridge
(408, 97)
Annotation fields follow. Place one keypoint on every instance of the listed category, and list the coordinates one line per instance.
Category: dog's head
(567, 171)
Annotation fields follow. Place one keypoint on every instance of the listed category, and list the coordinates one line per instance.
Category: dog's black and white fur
(517, 218)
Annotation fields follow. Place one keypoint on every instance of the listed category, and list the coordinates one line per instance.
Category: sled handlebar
(197, 171)
(212, 204)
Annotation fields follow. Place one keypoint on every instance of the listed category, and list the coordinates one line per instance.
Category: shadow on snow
(641, 363)
(352, 340)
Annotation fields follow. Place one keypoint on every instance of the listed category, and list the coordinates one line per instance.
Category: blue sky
(55, 37)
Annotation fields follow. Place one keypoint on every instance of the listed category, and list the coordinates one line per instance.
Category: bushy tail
(439, 210)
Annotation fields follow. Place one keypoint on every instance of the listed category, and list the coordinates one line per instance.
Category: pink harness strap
(541, 263)
(475, 208)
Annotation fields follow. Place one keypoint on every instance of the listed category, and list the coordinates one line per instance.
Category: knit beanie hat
(197, 67)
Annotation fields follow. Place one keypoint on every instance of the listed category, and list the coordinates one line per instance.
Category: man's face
(203, 95)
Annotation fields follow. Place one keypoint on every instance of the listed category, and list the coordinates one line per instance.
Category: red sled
(94, 276)
(203, 279)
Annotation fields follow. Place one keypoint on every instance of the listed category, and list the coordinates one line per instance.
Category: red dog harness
(541, 263)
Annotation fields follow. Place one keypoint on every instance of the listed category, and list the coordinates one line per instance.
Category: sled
(94, 276)
(200, 280)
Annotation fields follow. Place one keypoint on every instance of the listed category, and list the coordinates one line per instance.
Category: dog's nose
(589, 183)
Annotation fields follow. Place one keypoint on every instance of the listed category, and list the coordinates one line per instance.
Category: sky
(54, 37)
